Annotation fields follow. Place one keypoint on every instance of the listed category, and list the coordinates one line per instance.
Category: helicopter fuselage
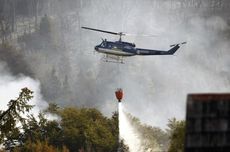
(125, 49)
(118, 48)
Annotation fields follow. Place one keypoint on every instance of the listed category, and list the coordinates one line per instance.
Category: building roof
(209, 97)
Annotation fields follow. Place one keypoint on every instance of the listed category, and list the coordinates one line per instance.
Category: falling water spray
(127, 133)
(129, 136)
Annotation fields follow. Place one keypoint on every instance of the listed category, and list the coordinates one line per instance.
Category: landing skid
(113, 59)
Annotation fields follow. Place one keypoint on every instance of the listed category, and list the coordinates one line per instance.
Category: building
(208, 123)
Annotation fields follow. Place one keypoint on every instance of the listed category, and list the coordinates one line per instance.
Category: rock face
(208, 123)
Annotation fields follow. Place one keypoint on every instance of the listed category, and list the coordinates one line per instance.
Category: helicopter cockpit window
(103, 44)
(109, 45)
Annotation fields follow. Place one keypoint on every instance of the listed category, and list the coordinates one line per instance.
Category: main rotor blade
(143, 35)
(114, 33)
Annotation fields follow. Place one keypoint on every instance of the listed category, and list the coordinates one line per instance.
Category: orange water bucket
(119, 94)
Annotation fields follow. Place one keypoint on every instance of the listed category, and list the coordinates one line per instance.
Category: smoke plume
(10, 87)
(155, 87)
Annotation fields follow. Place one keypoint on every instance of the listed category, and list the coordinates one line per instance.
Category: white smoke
(10, 87)
(156, 87)
(162, 83)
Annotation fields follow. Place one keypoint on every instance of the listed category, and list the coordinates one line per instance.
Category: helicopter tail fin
(178, 44)
(174, 48)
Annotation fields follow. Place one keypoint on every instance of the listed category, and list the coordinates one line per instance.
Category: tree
(78, 129)
(123, 147)
(15, 60)
(51, 87)
(177, 135)
(4, 29)
(12, 12)
(45, 27)
(152, 138)
(35, 4)
(34, 129)
(87, 129)
(39, 146)
(13, 115)
(53, 108)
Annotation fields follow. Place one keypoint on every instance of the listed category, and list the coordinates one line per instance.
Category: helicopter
(115, 51)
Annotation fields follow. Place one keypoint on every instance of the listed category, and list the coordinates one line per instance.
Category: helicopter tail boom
(175, 47)
(140, 51)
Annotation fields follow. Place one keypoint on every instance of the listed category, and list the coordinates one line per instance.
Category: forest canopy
(73, 129)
